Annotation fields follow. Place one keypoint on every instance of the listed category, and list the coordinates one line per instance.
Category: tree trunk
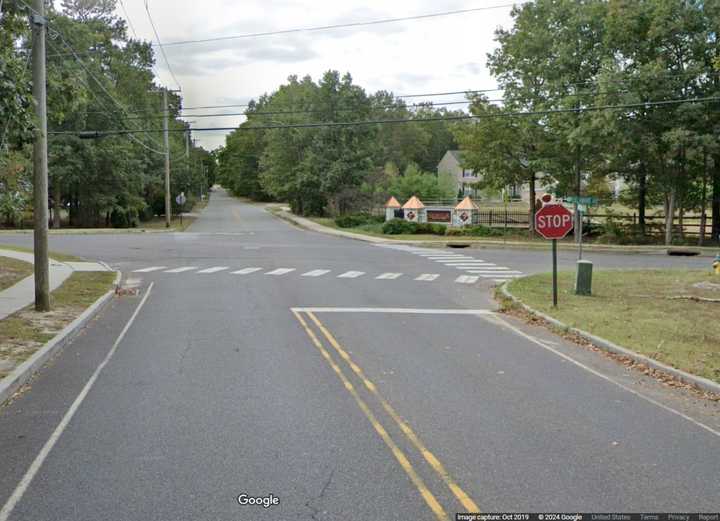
(533, 208)
(715, 233)
(642, 198)
(681, 223)
(669, 216)
(703, 201)
(57, 205)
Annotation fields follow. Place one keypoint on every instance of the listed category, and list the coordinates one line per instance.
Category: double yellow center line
(468, 504)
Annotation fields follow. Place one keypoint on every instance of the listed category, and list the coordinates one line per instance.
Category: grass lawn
(53, 254)
(13, 271)
(635, 309)
(24, 332)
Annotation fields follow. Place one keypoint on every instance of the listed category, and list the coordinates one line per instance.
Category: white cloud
(417, 56)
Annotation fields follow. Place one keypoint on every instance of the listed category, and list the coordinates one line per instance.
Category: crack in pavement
(315, 510)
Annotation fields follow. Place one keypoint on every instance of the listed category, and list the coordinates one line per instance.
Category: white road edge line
(408, 311)
(19, 491)
(503, 323)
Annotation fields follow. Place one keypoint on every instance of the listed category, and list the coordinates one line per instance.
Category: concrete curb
(605, 248)
(22, 373)
(691, 379)
(307, 224)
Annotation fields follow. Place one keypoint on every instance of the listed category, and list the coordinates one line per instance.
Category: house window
(468, 173)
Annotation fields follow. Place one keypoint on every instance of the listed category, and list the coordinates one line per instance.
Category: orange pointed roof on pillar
(413, 204)
(392, 203)
(467, 204)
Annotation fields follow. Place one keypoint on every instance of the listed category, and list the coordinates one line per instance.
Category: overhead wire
(54, 33)
(160, 45)
(645, 104)
(127, 17)
(102, 87)
(328, 27)
(413, 106)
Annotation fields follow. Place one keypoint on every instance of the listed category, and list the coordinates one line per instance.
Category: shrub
(454, 232)
(147, 214)
(430, 228)
(399, 227)
(613, 232)
(483, 231)
(477, 230)
(352, 221)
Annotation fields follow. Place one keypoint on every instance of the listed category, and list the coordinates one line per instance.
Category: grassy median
(24, 332)
(13, 271)
(653, 312)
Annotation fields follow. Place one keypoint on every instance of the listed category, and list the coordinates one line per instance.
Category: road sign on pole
(181, 200)
(554, 221)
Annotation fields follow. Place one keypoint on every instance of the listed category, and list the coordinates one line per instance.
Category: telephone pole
(40, 159)
(168, 204)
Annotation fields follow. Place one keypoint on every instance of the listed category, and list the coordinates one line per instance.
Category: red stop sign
(553, 221)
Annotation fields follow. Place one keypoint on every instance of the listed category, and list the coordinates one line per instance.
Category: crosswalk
(314, 273)
(475, 268)
(472, 269)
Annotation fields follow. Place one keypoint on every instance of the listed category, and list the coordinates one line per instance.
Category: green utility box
(583, 279)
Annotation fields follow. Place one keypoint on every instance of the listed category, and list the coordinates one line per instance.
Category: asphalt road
(324, 386)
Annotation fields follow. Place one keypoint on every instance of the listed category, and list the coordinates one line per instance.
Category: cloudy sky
(409, 57)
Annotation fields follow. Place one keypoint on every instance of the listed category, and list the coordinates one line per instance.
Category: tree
(424, 185)
(505, 150)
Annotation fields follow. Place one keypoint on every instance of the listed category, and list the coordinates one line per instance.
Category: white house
(465, 179)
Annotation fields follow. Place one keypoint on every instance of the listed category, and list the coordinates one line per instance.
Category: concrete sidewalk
(22, 294)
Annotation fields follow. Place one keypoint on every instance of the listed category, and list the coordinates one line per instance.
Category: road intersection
(348, 380)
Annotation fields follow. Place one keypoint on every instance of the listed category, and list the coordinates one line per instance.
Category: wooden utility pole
(40, 159)
(168, 204)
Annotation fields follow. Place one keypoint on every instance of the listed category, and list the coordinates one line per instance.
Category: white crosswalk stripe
(389, 276)
(490, 268)
(496, 272)
(280, 271)
(246, 271)
(441, 257)
(214, 269)
(150, 269)
(468, 263)
(477, 268)
(315, 273)
(182, 270)
(351, 275)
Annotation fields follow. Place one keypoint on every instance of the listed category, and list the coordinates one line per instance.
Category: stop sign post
(554, 221)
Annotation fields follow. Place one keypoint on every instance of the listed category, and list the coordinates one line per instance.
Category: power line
(344, 25)
(316, 111)
(127, 17)
(240, 105)
(646, 104)
(130, 136)
(475, 91)
(413, 106)
(162, 49)
(102, 87)
(55, 33)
